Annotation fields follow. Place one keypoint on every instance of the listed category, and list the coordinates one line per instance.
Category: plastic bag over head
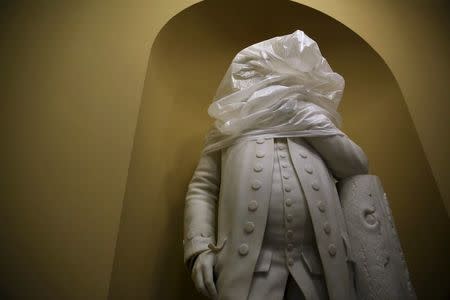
(281, 87)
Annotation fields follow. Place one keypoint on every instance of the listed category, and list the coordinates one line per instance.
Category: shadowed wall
(69, 98)
(187, 62)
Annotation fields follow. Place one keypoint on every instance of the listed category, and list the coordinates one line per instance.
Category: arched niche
(188, 59)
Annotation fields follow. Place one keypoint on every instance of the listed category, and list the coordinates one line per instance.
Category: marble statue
(263, 212)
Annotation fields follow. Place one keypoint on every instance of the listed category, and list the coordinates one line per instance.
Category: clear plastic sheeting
(281, 87)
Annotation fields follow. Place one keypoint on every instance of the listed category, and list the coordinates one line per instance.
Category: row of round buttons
(288, 202)
(249, 226)
(321, 206)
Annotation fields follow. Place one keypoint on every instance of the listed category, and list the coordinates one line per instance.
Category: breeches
(278, 283)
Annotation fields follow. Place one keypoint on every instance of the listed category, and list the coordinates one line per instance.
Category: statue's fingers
(209, 281)
(200, 284)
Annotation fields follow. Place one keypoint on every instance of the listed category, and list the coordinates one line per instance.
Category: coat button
(286, 176)
(283, 155)
(315, 186)
(287, 188)
(309, 169)
(260, 154)
(327, 228)
(370, 219)
(303, 155)
(260, 141)
(252, 205)
(321, 206)
(289, 217)
(256, 185)
(281, 147)
(258, 167)
(243, 249)
(288, 202)
(205, 234)
(332, 250)
(290, 261)
(289, 234)
(249, 227)
(290, 247)
(284, 165)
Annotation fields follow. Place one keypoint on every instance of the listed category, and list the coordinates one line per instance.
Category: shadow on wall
(188, 60)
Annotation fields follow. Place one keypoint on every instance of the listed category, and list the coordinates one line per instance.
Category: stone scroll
(380, 268)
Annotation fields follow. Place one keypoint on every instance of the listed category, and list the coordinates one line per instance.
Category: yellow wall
(72, 79)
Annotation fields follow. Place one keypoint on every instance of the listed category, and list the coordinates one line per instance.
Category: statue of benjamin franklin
(263, 217)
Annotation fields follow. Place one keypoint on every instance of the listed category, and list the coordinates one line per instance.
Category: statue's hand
(202, 274)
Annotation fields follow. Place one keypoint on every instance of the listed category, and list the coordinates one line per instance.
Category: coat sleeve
(342, 156)
(200, 207)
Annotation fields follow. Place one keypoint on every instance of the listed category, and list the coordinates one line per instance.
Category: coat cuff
(194, 247)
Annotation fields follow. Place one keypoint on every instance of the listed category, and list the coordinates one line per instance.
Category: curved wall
(187, 61)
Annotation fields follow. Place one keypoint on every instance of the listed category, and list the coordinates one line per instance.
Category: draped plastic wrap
(281, 87)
